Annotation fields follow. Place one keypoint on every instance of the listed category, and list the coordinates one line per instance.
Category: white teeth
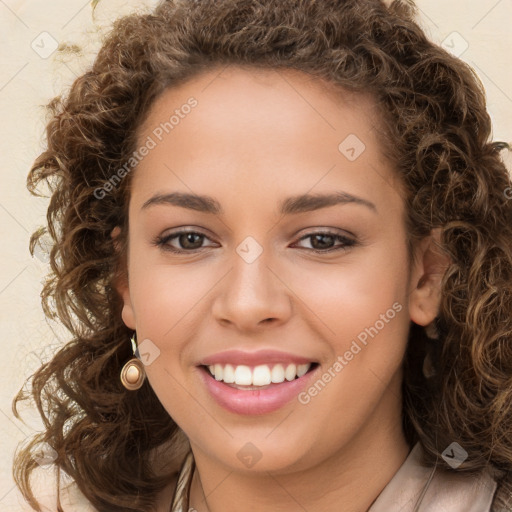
(229, 374)
(243, 375)
(219, 372)
(290, 372)
(302, 369)
(261, 375)
(278, 373)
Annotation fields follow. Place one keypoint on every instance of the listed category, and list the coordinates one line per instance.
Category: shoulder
(44, 484)
(432, 490)
(168, 458)
(455, 490)
(461, 492)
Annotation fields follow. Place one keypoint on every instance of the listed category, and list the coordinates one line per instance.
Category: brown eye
(183, 241)
(190, 240)
(323, 242)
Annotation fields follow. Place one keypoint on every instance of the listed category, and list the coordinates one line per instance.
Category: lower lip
(259, 401)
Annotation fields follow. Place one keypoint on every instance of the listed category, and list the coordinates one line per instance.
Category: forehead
(271, 127)
(236, 91)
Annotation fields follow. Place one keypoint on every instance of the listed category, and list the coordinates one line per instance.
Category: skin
(255, 138)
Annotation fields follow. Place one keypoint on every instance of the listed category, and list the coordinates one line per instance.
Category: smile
(261, 375)
(262, 389)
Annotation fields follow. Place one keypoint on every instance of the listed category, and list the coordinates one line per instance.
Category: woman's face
(272, 273)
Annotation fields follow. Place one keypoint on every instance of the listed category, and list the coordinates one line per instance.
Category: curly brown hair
(437, 133)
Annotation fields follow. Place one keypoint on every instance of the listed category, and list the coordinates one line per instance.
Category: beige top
(413, 488)
(446, 491)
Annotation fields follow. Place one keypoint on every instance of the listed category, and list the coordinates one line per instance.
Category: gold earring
(133, 374)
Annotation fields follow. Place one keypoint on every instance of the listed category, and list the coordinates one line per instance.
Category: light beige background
(29, 78)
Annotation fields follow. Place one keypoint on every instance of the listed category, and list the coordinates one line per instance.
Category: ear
(122, 286)
(428, 269)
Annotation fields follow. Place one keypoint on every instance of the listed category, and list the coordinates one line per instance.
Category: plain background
(479, 32)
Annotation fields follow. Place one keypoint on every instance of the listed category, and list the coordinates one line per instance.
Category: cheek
(166, 296)
(365, 308)
(350, 296)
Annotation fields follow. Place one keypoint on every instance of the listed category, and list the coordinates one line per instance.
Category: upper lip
(240, 357)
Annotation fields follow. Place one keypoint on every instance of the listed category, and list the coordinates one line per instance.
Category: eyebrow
(291, 205)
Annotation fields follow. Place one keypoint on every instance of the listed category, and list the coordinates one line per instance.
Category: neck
(349, 479)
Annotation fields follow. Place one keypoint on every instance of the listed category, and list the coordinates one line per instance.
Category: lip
(239, 357)
(258, 401)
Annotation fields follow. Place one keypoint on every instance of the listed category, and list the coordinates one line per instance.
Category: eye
(189, 241)
(192, 241)
(322, 241)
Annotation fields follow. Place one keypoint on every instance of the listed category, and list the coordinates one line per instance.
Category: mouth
(256, 390)
(258, 377)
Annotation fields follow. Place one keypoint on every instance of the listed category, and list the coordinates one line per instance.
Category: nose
(252, 295)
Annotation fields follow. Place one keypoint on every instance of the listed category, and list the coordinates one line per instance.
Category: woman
(282, 242)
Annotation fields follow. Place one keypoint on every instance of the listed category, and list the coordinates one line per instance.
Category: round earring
(133, 374)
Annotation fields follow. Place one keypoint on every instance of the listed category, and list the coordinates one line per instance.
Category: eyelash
(163, 242)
